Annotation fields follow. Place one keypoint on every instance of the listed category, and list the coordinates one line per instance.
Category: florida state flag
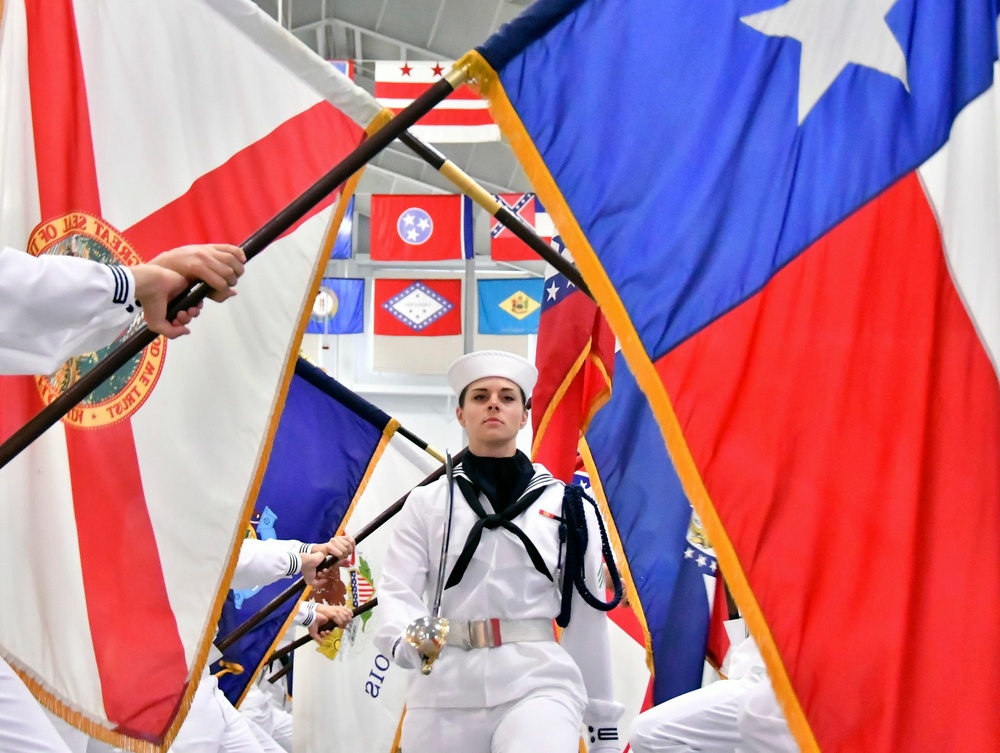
(421, 227)
(126, 129)
(418, 307)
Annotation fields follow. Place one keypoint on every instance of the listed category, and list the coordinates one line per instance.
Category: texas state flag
(791, 221)
(504, 245)
(421, 227)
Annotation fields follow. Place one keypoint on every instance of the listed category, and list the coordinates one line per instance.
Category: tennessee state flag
(421, 227)
(504, 245)
(418, 307)
(127, 129)
(790, 220)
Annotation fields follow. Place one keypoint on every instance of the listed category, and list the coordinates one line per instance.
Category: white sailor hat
(492, 363)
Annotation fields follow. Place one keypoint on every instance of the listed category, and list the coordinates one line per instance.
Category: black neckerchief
(502, 480)
(530, 491)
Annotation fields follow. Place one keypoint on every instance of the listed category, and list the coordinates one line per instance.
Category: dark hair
(461, 396)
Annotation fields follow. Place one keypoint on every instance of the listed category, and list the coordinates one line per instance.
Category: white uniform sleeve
(55, 307)
(306, 613)
(263, 562)
(404, 581)
(586, 640)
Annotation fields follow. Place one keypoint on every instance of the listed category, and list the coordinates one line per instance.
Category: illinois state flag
(813, 317)
(420, 227)
(504, 245)
(509, 307)
(118, 524)
(418, 307)
(462, 117)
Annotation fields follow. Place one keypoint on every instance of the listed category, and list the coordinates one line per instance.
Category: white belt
(496, 632)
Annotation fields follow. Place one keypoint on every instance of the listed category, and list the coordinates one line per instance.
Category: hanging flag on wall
(420, 227)
(344, 66)
(343, 242)
(504, 245)
(462, 117)
(509, 307)
(339, 308)
(418, 307)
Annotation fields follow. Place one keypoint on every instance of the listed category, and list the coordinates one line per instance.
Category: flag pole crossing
(257, 242)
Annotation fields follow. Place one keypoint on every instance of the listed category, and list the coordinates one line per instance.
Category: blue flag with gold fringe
(328, 440)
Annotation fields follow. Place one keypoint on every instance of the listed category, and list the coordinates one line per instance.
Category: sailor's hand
(327, 618)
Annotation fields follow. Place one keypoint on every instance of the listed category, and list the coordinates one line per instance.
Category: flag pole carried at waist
(300, 584)
(257, 242)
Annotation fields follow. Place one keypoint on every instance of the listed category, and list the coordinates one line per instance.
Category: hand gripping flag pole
(300, 584)
(252, 246)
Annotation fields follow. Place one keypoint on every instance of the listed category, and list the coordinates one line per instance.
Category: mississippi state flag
(418, 307)
(462, 117)
(420, 227)
(118, 524)
(504, 245)
(802, 268)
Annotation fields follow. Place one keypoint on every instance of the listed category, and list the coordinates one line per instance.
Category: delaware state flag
(421, 227)
(791, 221)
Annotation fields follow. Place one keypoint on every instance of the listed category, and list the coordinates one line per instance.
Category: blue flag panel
(719, 105)
(339, 308)
(325, 442)
(510, 306)
(653, 518)
(342, 244)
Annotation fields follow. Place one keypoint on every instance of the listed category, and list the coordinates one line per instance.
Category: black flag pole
(263, 237)
(512, 221)
(300, 642)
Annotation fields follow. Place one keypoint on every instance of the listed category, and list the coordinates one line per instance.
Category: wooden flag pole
(300, 642)
(299, 585)
(252, 246)
(513, 222)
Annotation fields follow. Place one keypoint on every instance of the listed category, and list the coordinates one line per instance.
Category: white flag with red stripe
(144, 126)
(462, 117)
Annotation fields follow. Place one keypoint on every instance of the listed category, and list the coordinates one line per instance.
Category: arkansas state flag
(418, 307)
(504, 245)
(462, 117)
(421, 227)
(791, 221)
(127, 129)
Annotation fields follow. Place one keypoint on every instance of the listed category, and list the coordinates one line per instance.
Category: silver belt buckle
(480, 634)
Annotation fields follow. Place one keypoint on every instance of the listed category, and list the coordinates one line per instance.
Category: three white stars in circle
(834, 33)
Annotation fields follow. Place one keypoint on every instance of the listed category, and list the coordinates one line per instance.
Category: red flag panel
(418, 307)
(421, 227)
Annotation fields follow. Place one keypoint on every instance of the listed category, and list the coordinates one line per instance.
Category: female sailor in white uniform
(519, 557)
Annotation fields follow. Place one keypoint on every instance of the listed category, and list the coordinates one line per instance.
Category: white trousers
(23, 723)
(546, 722)
(261, 709)
(214, 726)
(703, 720)
(762, 724)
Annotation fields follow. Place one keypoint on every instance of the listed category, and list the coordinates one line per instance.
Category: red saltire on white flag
(117, 526)
(462, 117)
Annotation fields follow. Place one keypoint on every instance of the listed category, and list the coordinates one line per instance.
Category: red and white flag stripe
(462, 117)
(116, 540)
